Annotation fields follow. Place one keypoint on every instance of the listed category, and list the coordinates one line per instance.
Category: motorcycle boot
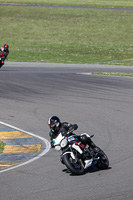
(87, 159)
(92, 145)
(86, 139)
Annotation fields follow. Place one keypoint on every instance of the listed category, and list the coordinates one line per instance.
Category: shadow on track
(89, 170)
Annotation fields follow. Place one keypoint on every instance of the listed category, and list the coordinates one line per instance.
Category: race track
(101, 105)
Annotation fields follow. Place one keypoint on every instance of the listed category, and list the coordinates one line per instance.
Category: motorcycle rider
(4, 52)
(66, 129)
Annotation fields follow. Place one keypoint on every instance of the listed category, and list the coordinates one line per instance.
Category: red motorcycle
(2, 58)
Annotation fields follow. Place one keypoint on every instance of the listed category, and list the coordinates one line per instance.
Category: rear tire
(103, 162)
(75, 168)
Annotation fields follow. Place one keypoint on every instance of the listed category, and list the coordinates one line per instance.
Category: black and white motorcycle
(78, 157)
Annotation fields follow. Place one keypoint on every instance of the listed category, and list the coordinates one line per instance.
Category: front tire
(1, 65)
(75, 168)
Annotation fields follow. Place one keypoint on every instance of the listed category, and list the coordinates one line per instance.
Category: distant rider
(4, 52)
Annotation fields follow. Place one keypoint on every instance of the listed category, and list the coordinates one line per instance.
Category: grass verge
(2, 144)
(59, 35)
(95, 3)
(114, 74)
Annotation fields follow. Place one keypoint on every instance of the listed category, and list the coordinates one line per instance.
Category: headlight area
(57, 148)
(64, 143)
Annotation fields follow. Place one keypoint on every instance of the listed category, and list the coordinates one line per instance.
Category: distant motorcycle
(1, 59)
(71, 157)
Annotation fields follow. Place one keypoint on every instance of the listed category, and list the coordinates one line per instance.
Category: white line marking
(48, 146)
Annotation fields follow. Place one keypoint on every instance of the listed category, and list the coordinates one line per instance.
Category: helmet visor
(52, 125)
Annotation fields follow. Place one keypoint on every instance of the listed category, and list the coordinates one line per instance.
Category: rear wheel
(74, 167)
(103, 161)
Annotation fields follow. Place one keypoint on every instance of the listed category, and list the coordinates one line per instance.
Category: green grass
(2, 144)
(60, 35)
(114, 74)
(97, 3)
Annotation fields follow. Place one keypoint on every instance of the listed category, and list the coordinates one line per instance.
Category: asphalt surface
(101, 105)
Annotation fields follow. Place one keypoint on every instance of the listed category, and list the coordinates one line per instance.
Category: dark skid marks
(67, 7)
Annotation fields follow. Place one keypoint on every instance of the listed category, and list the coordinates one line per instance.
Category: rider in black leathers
(66, 129)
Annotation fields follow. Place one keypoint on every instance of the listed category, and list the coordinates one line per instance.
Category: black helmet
(54, 123)
(6, 47)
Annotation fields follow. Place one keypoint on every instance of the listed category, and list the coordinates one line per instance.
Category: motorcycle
(1, 59)
(75, 154)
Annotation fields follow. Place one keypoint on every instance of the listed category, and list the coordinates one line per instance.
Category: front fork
(70, 151)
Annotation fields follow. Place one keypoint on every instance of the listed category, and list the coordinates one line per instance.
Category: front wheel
(1, 64)
(74, 167)
(103, 161)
